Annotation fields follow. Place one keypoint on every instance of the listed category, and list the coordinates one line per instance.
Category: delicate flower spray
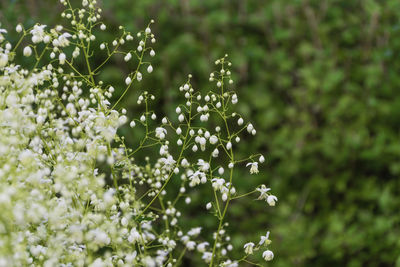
(58, 126)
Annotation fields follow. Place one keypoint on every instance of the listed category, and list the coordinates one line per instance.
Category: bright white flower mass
(74, 191)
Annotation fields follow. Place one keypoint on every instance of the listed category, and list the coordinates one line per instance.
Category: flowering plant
(71, 190)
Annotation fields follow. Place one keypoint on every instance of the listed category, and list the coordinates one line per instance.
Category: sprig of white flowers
(71, 192)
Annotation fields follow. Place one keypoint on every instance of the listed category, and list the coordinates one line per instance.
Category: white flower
(250, 128)
(268, 255)
(61, 41)
(169, 161)
(204, 166)
(194, 231)
(3, 60)
(253, 168)
(38, 33)
(218, 183)
(213, 139)
(197, 178)
(152, 53)
(261, 159)
(207, 256)
(150, 69)
(128, 57)
(228, 145)
(202, 246)
(263, 192)
(248, 248)
(271, 199)
(27, 51)
(18, 28)
(61, 58)
(128, 80)
(148, 30)
(161, 132)
(240, 121)
(264, 239)
(139, 76)
(194, 148)
(102, 27)
(190, 245)
(215, 153)
(209, 205)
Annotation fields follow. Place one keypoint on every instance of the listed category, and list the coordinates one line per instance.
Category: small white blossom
(268, 255)
(18, 28)
(271, 199)
(27, 51)
(264, 240)
(253, 168)
(248, 248)
(62, 58)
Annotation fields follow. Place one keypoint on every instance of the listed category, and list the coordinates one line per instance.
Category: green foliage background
(319, 79)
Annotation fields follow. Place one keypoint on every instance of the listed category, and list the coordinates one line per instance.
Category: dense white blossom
(74, 192)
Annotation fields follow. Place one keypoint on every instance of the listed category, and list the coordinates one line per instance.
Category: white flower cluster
(71, 192)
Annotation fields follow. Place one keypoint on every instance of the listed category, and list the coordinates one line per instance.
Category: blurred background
(320, 80)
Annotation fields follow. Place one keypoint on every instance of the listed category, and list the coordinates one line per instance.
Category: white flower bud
(18, 28)
(128, 57)
(213, 139)
(27, 51)
(229, 145)
(61, 58)
(268, 255)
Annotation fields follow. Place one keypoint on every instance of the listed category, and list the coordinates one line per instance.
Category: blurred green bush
(320, 80)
